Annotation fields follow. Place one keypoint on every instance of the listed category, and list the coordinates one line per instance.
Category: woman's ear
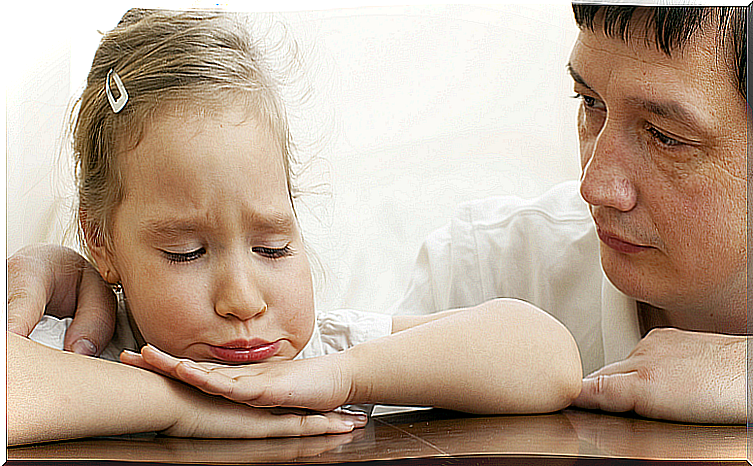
(98, 248)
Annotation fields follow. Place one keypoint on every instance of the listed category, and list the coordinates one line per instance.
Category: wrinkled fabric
(544, 251)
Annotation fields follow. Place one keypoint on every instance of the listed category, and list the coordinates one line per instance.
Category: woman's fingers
(30, 287)
(52, 279)
(615, 392)
(94, 322)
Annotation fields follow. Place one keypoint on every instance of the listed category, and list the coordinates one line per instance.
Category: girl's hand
(199, 415)
(56, 395)
(318, 383)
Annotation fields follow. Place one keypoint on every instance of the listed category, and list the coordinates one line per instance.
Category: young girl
(186, 208)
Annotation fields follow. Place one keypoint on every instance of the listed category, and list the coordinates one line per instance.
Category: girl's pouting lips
(244, 351)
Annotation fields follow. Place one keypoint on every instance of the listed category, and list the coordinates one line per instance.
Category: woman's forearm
(504, 356)
(54, 395)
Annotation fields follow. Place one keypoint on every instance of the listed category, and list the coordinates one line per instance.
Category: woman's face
(663, 144)
(206, 243)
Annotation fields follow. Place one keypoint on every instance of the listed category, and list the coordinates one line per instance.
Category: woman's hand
(317, 383)
(675, 375)
(52, 279)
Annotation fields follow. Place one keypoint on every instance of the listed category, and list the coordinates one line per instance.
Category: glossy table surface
(438, 437)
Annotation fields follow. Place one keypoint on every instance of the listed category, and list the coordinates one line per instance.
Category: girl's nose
(239, 296)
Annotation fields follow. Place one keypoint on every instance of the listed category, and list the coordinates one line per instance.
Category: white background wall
(414, 110)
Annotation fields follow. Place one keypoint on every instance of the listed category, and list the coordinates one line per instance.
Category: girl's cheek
(299, 296)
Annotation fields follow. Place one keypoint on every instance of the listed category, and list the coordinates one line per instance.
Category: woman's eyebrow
(665, 108)
(672, 110)
(577, 77)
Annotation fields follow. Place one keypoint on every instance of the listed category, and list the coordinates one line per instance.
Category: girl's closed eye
(273, 253)
(176, 257)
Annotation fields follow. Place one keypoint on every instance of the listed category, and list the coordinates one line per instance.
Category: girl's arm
(54, 395)
(504, 356)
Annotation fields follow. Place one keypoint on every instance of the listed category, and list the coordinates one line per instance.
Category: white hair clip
(116, 104)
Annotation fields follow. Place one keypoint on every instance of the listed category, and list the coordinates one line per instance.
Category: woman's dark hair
(672, 27)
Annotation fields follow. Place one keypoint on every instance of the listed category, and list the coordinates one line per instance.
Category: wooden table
(434, 437)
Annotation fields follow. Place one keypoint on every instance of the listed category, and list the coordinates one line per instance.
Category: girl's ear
(97, 246)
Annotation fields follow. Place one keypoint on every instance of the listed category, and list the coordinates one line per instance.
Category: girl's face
(206, 243)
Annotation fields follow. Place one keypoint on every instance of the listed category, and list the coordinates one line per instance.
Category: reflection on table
(566, 437)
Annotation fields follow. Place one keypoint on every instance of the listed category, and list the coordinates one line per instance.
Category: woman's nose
(605, 180)
(239, 295)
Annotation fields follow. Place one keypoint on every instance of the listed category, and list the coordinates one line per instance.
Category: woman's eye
(590, 102)
(662, 138)
(184, 256)
(273, 253)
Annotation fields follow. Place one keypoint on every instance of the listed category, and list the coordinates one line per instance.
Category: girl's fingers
(166, 362)
(260, 423)
(334, 423)
(234, 383)
(159, 359)
(185, 370)
(154, 364)
(135, 359)
(331, 422)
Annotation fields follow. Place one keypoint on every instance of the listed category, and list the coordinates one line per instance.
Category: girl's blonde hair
(190, 58)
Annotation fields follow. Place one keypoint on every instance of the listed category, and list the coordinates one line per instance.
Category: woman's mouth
(619, 244)
(242, 351)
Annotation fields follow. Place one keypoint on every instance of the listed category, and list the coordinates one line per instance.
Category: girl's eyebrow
(169, 228)
(273, 222)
